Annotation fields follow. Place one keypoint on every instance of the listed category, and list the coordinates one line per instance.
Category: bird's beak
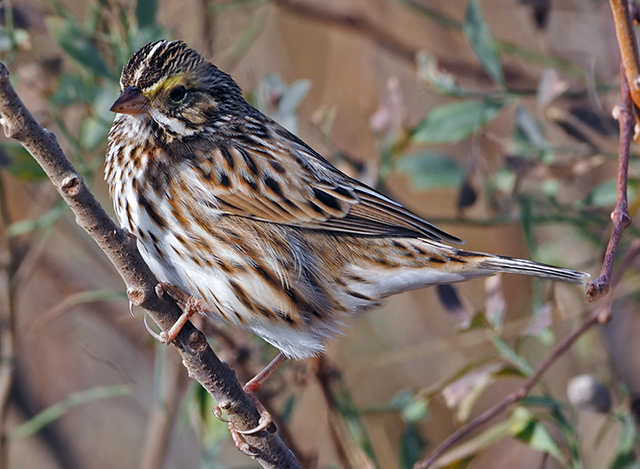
(131, 101)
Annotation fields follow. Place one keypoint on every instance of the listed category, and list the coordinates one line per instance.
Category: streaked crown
(157, 61)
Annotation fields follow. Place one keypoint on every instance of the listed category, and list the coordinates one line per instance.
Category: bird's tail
(535, 269)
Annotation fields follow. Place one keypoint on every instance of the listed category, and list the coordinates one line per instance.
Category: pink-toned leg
(255, 383)
(187, 303)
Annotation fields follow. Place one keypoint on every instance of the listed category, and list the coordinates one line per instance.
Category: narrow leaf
(527, 428)
(411, 446)
(51, 414)
(625, 457)
(45, 221)
(431, 169)
(21, 164)
(77, 43)
(453, 122)
(477, 33)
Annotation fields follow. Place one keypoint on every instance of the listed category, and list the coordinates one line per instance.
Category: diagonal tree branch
(202, 364)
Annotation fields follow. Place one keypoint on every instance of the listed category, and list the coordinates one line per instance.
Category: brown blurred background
(349, 51)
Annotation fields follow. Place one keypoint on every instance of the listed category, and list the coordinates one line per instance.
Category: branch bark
(202, 364)
(620, 215)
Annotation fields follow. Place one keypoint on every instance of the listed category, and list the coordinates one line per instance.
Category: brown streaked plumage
(229, 206)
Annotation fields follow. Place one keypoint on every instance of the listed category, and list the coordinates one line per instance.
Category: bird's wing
(282, 180)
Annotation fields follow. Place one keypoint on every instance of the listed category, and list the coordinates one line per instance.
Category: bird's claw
(237, 435)
(263, 424)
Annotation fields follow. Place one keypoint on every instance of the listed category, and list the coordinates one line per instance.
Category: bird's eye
(177, 93)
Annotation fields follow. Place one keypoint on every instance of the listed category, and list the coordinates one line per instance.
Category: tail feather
(524, 267)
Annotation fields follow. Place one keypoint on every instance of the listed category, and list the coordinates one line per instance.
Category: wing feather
(282, 180)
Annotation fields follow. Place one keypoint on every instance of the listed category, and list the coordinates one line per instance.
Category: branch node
(51, 135)
(621, 217)
(604, 316)
(4, 73)
(197, 342)
(598, 288)
(71, 185)
(136, 296)
(225, 405)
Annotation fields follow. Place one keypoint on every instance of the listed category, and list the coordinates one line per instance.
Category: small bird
(236, 211)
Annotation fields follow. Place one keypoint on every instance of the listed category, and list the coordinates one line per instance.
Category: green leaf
(77, 43)
(625, 457)
(53, 413)
(529, 129)
(477, 321)
(417, 410)
(510, 355)
(73, 88)
(411, 446)
(604, 194)
(95, 128)
(93, 132)
(287, 408)
(431, 169)
(45, 221)
(527, 428)
(464, 452)
(526, 219)
(477, 33)
(453, 122)
(146, 12)
(22, 165)
(543, 401)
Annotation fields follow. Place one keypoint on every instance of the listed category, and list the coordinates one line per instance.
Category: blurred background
(492, 119)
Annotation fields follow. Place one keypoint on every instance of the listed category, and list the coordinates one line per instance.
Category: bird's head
(171, 84)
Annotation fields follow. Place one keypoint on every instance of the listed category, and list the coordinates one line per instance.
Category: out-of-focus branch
(163, 414)
(7, 332)
(349, 453)
(203, 365)
(601, 316)
(628, 47)
(620, 215)
(318, 12)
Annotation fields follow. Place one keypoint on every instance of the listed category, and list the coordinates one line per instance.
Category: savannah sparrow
(269, 236)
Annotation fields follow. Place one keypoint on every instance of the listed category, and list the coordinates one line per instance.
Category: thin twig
(628, 47)
(620, 215)
(601, 316)
(203, 365)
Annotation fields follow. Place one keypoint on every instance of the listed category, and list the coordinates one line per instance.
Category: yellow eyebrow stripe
(168, 83)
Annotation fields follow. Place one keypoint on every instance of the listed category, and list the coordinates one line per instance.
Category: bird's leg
(252, 386)
(187, 303)
(255, 383)
(190, 306)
